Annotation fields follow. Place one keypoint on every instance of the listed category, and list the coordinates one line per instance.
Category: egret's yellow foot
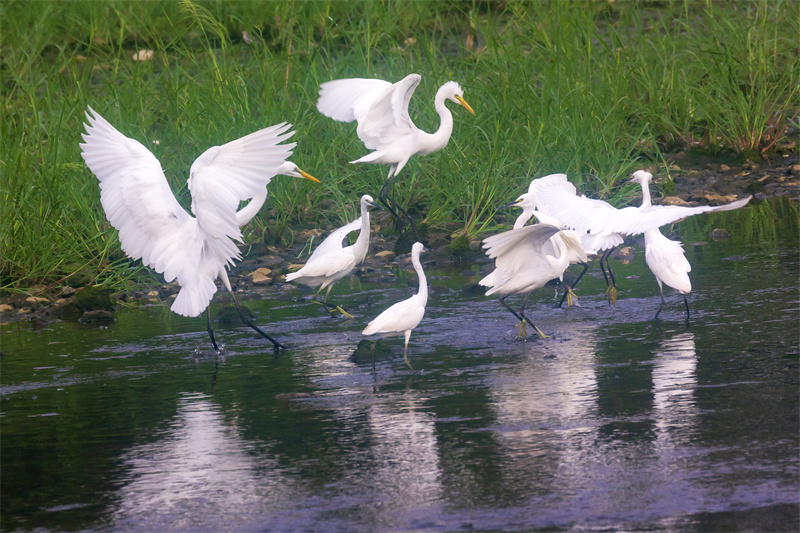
(345, 313)
(572, 298)
(611, 294)
(523, 332)
(405, 358)
(541, 334)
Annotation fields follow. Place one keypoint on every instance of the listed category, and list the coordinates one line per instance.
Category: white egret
(155, 228)
(664, 257)
(381, 110)
(528, 203)
(404, 316)
(526, 258)
(330, 261)
(605, 224)
(668, 264)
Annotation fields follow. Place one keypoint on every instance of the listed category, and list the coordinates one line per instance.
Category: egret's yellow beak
(464, 103)
(308, 176)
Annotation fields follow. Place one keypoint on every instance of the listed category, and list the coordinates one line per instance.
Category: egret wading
(331, 261)
(528, 203)
(665, 257)
(605, 224)
(403, 317)
(384, 126)
(526, 258)
(155, 228)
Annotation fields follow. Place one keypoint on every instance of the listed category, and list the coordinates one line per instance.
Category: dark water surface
(615, 422)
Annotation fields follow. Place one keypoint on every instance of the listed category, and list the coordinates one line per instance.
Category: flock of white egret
(197, 250)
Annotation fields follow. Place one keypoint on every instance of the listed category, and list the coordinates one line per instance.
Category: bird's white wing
(136, 197)
(225, 175)
(399, 317)
(333, 242)
(386, 119)
(667, 260)
(576, 212)
(345, 99)
(559, 181)
(534, 236)
(631, 221)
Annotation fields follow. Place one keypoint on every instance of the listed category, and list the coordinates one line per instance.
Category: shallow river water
(616, 422)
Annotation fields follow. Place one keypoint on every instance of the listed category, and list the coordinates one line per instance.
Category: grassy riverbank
(594, 89)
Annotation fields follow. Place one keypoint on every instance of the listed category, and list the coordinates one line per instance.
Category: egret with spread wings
(381, 110)
(155, 228)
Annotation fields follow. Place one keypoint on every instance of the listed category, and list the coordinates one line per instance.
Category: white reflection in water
(545, 409)
(399, 474)
(674, 385)
(198, 476)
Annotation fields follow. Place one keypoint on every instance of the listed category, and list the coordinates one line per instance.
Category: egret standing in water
(669, 265)
(605, 223)
(528, 203)
(381, 110)
(155, 228)
(330, 261)
(526, 259)
(664, 257)
(403, 317)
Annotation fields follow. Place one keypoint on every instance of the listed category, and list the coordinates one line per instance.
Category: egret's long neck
(527, 213)
(246, 214)
(646, 201)
(433, 142)
(423, 281)
(362, 243)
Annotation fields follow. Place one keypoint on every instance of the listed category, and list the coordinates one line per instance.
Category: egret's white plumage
(330, 261)
(600, 218)
(403, 317)
(526, 258)
(664, 257)
(246, 213)
(669, 265)
(604, 226)
(152, 224)
(381, 110)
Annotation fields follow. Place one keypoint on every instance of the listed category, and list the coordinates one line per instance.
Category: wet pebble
(719, 234)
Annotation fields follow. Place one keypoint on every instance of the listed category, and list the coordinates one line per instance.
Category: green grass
(593, 89)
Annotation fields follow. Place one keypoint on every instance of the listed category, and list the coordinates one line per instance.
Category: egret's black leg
(611, 281)
(528, 320)
(385, 200)
(247, 320)
(568, 290)
(660, 307)
(209, 329)
(383, 196)
(408, 217)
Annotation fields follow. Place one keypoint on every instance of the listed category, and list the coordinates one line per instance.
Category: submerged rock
(719, 234)
(364, 352)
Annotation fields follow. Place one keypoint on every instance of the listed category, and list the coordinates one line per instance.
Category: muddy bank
(690, 180)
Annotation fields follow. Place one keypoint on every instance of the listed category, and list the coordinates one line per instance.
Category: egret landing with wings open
(381, 110)
(526, 258)
(331, 261)
(155, 228)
